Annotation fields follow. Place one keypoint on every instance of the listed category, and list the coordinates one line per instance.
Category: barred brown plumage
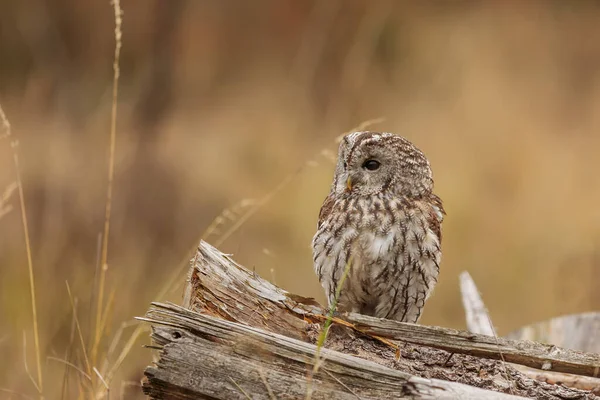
(381, 217)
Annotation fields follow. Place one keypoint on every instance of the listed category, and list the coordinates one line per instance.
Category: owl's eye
(371, 165)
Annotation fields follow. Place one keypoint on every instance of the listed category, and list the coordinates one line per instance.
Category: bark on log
(522, 352)
(281, 329)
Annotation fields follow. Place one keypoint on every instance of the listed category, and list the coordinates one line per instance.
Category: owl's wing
(326, 209)
(436, 216)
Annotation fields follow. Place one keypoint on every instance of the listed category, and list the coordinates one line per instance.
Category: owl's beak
(349, 184)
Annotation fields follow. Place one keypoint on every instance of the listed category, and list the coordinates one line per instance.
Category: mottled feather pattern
(386, 223)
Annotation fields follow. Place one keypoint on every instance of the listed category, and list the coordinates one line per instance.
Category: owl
(382, 221)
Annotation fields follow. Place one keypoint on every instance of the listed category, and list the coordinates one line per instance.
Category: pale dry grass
(14, 144)
(100, 311)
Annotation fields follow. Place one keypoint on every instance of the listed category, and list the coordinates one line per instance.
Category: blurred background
(230, 109)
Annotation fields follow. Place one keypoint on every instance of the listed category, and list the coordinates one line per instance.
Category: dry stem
(111, 172)
(36, 337)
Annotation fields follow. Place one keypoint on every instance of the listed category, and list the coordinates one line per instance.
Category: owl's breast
(392, 251)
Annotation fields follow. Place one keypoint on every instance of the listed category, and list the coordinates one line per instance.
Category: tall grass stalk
(36, 336)
(79, 333)
(111, 172)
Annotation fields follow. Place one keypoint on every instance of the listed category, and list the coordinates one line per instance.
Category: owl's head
(375, 162)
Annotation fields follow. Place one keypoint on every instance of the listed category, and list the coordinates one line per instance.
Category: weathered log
(206, 357)
(220, 286)
(257, 310)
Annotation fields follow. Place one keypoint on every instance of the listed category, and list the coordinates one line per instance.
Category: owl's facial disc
(369, 165)
(374, 162)
(368, 171)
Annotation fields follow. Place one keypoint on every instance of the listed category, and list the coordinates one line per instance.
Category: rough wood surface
(577, 332)
(220, 288)
(523, 352)
(206, 357)
(478, 320)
